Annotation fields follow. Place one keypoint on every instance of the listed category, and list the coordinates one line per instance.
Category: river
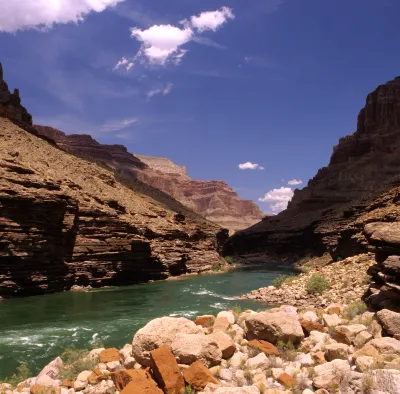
(37, 329)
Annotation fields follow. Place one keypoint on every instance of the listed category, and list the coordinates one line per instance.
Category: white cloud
(295, 182)
(250, 166)
(118, 125)
(164, 91)
(162, 44)
(29, 14)
(211, 20)
(279, 198)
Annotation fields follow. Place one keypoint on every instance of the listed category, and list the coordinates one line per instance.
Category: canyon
(214, 200)
(359, 186)
(65, 221)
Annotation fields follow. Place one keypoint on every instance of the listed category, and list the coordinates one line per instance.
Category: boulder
(238, 358)
(286, 380)
(96, 376)
(128, 361)
(229, 315)
(122, 378)
(205, 321)
(109, 355)
(237, 390)
(221, 323)
(331, 373)
(362, 338)
(52, 370)
(309, 326)
(386, 380)
(309, 316)
(334, 309)
(366, 350)
(390, 321)
(386, 345)
(336, 351)
(224, 342)
(198, 376)
(347, 334)
(166, 371)
(159, 332)
(274, 327)
(39, 389)
(266, 347)
(364, 363)
(331, 320)
(141, 383)
(188, 348)
(260, 361)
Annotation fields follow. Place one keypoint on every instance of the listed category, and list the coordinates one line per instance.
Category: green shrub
(317, 284)
(216, 267)
(22, 373)
(237, 310)
(74, 362)
(354, 309)
(287, 350)
(280, 280)
(229, 259)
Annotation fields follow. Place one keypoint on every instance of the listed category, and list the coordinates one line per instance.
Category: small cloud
(125, 63)
(295, 182)
(162, 44)
(211, 20)
(278, 198)
(250, 166)
(164, 91)
(118, 125)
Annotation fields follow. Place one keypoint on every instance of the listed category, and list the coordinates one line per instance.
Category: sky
(252, 92)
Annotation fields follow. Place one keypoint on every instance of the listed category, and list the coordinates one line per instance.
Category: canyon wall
(213, 200)
(326, 216)
(66, 221)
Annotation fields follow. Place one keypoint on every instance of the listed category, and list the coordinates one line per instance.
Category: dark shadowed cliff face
(213, 200)
(66, 221)
(323, 216)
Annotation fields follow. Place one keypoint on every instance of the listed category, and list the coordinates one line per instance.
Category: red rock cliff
(213, 200)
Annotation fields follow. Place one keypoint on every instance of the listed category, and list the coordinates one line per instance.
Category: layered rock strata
(65, 221)
(213, 200)
(324, 216)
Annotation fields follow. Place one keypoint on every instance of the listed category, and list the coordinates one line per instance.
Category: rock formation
(65, 221)
(329, 214)
(213, 200)
(10, 105)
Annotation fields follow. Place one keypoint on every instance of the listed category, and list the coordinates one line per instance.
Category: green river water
(37, 329)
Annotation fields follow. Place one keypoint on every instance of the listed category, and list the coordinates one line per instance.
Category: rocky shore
(286, 350)
(347, 280)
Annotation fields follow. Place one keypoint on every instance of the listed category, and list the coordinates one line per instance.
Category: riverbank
(285, 350)
(342, 281)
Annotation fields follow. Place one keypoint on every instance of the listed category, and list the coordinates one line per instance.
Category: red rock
(205, 321)
(122, 378)
(109, 355)
(309, 326)
(286, 380)
(198, 376)
(39, 389)
(166, 371)
(141, 383)
(96, 376)
(265, 346)
(67, 383)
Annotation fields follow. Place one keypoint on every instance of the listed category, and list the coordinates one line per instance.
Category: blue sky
(269, 82)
